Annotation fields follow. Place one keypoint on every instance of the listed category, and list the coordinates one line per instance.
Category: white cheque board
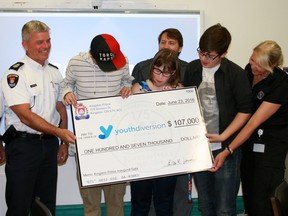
(144, 136)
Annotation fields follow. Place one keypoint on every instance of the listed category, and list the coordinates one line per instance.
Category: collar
(35, 64)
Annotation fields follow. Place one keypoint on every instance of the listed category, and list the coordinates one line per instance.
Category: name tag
(260, 148)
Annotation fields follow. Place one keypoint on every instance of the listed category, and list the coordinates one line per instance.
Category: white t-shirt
(207, 94)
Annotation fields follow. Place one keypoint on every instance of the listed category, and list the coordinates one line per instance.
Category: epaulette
(53, 66)
(16, 66)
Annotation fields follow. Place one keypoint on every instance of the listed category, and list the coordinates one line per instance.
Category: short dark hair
(173, 34)
(216, 38)
(169, 59)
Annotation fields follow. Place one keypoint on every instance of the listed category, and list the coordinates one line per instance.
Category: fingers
(213, 169)
(167, 87)
(125, 92)
(66, 136)
(62, 154)
(70, 99)
(61, 161)
(71, 137)
(217, 165)
(2, 160)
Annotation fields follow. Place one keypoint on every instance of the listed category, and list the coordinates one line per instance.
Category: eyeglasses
(207, 56)
(164, 73)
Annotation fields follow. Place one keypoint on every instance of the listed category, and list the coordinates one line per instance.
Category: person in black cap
(101, 72)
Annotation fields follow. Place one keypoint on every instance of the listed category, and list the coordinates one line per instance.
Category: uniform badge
(12, 80)
(260, 95)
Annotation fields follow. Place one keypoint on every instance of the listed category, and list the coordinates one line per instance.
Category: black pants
(162, 190)
(258, 184)
(31, 170)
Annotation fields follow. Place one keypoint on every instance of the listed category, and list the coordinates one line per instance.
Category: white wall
(249, 22)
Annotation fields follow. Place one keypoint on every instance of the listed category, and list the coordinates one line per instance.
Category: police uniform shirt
(29, 82)
(1, 102)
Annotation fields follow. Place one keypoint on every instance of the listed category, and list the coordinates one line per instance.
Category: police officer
(33, 106)
(2, 150)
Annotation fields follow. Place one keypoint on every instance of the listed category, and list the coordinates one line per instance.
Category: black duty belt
(25, 135)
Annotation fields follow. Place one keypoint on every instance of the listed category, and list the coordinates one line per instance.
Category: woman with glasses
(228, 110)
(164, 75)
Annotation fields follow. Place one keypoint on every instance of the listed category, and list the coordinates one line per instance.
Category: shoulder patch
(12, 80)
(16, 66)
(53, 66)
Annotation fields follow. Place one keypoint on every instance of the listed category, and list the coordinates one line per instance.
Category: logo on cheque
(105, 132)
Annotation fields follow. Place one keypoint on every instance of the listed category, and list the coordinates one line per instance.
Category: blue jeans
(217, 192)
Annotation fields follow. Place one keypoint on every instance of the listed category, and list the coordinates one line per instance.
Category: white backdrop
(71, 33)
(246, 33)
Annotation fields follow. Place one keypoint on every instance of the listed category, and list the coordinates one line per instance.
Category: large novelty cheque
(144, 136)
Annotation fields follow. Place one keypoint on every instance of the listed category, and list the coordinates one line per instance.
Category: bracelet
(230, 150)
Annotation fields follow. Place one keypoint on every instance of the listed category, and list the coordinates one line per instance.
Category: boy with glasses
(212, 72)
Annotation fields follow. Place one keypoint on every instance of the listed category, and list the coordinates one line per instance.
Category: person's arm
(237, 123)
(127, 79)
(135, 88)
(264, 112)
(125, 92)
(34, 121)
(126, 82)
(2, 153)
(70, 99)
(67, 87)
(63, 148)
